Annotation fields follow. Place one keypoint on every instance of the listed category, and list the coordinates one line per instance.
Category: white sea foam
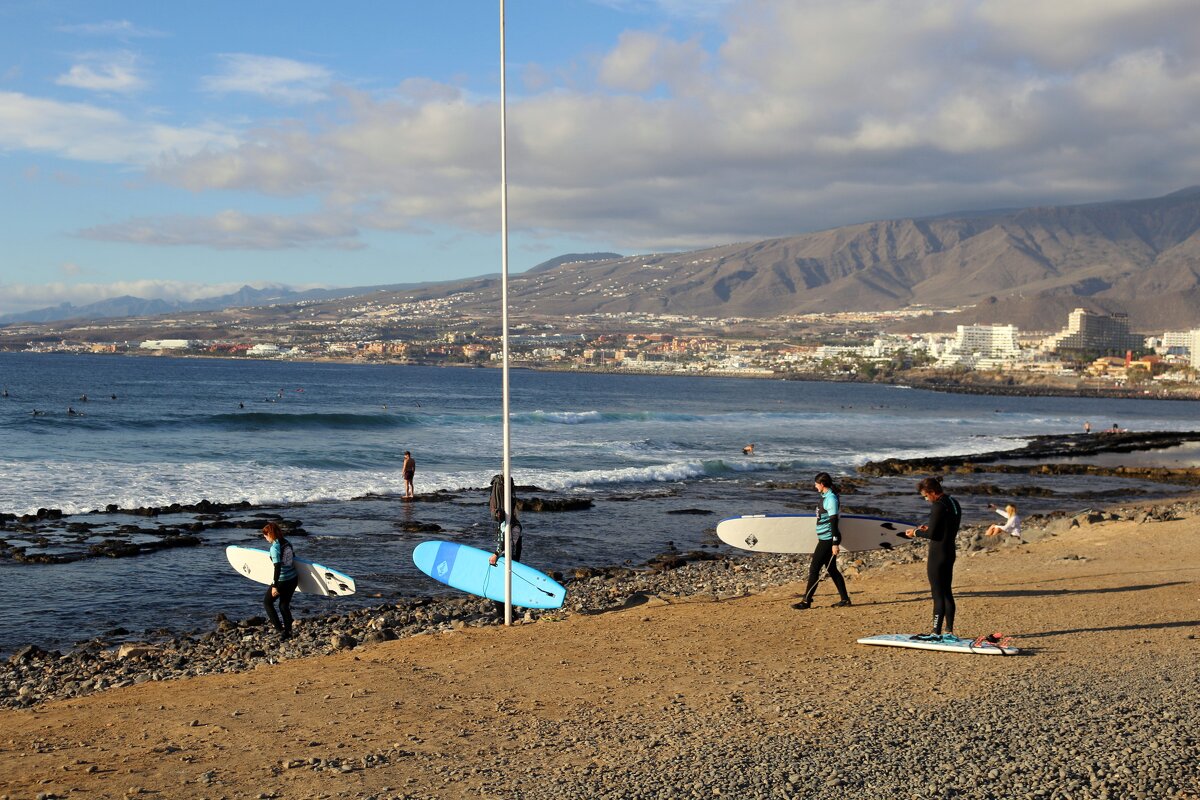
(94, 486)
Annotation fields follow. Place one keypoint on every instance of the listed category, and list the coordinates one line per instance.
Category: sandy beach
(699, 696)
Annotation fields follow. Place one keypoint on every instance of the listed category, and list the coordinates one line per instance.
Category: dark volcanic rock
(539, 504)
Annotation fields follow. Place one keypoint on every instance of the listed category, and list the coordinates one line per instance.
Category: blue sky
(183, 149)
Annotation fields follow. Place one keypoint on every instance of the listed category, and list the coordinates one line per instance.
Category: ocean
(322, 443)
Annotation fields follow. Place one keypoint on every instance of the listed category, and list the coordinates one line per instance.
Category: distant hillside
(127, 306)
(1029, 266)
(571, 258)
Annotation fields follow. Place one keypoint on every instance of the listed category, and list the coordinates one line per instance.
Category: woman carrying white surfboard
(283, 584)
(829, 540)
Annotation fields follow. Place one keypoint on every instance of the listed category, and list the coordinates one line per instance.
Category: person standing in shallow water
(283, 583)
(409, 468)
(829, 540)
(945, 516)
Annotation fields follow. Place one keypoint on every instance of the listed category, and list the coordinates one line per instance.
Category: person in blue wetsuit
(945, 515)
(829, 540)
(283, 583)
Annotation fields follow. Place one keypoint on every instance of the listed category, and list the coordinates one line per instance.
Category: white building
(1175, 343)
(1194, 346)
(1095, 333)
(982, 346)
(263, 350)
(166, 344)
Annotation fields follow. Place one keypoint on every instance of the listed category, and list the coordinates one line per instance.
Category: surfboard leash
(546, 592)
(996, 639)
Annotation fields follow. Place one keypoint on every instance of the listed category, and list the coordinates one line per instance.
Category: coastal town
(1091, 350)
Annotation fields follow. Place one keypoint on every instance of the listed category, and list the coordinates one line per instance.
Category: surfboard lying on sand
(256, 565)
(979, 647)
(797, 533)
(467, 569)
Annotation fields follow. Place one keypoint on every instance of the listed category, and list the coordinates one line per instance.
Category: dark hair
(824, 479)
(932, 485)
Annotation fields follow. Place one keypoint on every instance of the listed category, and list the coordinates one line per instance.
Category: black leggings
(941, 576)
(286, 590)
(821, 557)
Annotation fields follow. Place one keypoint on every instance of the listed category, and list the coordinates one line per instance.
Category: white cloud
(643, 61)
(117, 28)
(281, 80)
(232, 230)
(104, 72)
(85, 132)
(807, 115)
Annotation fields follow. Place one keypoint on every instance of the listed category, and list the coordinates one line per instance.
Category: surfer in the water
(945, 515)
(409, 468)
(283, 584)
(829, 540)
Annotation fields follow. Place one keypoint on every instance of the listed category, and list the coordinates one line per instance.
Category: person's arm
(833, 512)
(932, 529)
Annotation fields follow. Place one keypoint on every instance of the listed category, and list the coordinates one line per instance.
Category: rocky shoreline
(31, 676)
(1043, 449)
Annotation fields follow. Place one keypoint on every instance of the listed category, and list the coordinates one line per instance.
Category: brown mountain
(1029, 267)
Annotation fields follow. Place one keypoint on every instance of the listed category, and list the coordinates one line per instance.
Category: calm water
(304, 440)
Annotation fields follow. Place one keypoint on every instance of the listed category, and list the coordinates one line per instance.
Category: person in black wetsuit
(945, 515)
(829, 541)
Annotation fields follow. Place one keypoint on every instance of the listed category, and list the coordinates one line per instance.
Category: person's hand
(274, 592)
(493, 559)
(837, 548)
(910, 533)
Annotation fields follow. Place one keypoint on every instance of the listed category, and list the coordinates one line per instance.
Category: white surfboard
(971, 646)
(256, 565)
(797, 533)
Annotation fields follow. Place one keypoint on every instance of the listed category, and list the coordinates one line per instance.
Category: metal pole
(508, 500)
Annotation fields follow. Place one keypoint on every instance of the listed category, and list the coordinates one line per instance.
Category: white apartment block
(982, 345)
(1177, 343)
(1104, 333)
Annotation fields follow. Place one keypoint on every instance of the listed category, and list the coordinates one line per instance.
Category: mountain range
(129, 306)
(1029, 267)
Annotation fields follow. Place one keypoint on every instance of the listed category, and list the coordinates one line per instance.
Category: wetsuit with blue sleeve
(284, 581)
(828, 534)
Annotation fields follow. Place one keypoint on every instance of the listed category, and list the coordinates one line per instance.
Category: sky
(181, 150)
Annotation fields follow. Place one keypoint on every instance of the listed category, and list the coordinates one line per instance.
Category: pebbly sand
(680, 697)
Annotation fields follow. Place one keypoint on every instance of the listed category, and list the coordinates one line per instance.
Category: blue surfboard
(467, 569)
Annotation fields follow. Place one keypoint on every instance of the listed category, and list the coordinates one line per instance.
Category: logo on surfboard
(442, 568)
